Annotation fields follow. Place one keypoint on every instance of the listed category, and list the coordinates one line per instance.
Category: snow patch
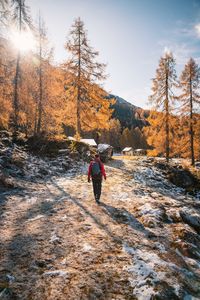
(54, 238)
(35, 218)
(87, 247)
(55, 273)
(146, 270)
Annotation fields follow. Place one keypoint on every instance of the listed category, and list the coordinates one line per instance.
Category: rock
(161, 165)
(41, 263)
(6, 141)
(7, 294)
(191, 219)
(43, 171)
(6, 181)
(64, 151)
(186, 249)
(155, 195)
(105, 151)
(174, 216)
(18, 160)
(74, 155)
(4, 281)
(165, 292)
(66, 165)
(5, 133)
(182, 178)
(192, 238)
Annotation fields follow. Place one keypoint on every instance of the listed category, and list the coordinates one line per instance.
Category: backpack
(96, 169)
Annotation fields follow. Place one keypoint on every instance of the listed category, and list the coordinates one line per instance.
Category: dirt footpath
(57, 243)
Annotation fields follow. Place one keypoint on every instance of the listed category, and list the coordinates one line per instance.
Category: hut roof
(90, 142)
(127, 149)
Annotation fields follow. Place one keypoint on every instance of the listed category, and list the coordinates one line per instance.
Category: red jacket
(103, 172)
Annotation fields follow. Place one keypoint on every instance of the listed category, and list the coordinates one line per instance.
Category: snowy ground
(57, 243)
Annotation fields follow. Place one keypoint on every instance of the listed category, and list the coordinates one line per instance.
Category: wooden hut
(127, 151)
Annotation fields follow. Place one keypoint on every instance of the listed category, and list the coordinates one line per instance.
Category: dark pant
(97, 188)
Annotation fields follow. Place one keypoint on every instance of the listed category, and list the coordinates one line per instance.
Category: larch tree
(6, 75)
(197, 137)
(42, 55)
(84, 74)
(22, 21)
(162, 97)
(125, 138)
(190, 84)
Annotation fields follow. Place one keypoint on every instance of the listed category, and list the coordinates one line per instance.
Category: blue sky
(130, 35)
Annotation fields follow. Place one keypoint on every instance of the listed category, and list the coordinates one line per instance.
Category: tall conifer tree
(190, 84)
(162, 97)
(85, 75)
(22, 20)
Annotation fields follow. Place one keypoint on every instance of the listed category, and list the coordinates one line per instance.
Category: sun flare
(23, 41)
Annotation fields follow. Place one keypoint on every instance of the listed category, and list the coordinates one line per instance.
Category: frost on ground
(142, 242)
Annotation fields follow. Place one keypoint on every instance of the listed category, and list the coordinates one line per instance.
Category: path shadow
(4, 198)
(116, 163)
(88, 213)
(122, 216)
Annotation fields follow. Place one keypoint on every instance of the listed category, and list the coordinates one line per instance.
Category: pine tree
(162, 97)
(22, 20)
(190, 83)
(84, 73)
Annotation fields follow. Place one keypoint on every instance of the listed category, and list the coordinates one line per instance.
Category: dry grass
(126, 157)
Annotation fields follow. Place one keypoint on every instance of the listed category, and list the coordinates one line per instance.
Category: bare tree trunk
(78, 124)
(40, 101)
(191, 125)
(167, 117)
(16, 81)
(40, 84)
(35, 122)
(16, 95)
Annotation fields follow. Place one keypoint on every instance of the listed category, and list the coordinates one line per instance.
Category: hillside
(128, 114)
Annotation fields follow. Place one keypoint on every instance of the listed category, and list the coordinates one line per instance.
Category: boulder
(182, 178)
(6, 141)
(165, 292)
(6, 181)
(105, 151)
(191, 219)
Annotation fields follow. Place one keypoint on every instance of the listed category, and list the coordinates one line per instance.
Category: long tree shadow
(115, 238)
(116, 163)
(122, 216)
(4, 197)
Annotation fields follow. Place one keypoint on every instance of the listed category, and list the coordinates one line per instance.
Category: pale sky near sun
(130, 35)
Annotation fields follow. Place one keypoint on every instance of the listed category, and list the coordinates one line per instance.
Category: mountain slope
(128, 114)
